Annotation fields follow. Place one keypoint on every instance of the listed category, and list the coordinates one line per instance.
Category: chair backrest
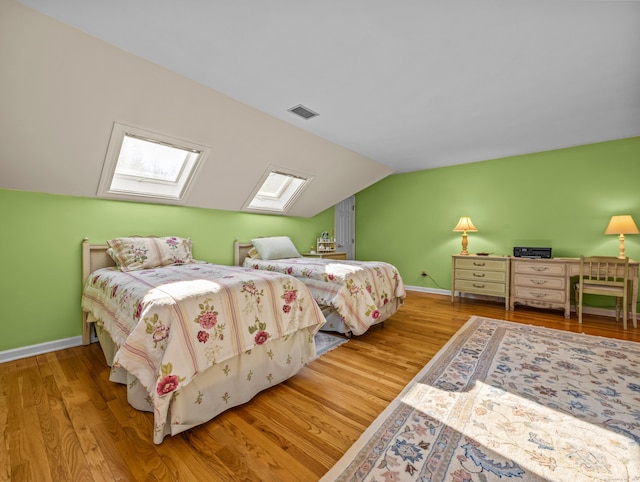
(604, 270)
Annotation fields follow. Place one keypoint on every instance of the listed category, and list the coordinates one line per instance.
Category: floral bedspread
(355, 289)
(174, 322)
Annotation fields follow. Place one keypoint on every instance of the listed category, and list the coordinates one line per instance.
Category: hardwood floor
(62, 420)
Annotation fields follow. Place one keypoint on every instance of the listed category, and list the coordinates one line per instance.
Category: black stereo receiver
(520, 252)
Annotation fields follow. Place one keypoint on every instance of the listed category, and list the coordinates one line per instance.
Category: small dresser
(327, 255)
(480, 275)
(541, 283)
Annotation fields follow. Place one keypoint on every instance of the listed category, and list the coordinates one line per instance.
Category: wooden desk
(546, 283)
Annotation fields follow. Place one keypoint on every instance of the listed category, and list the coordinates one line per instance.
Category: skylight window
(141, 158)
(143, 164)
(276, 191)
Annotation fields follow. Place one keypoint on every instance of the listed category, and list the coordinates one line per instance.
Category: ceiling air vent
(303, 111)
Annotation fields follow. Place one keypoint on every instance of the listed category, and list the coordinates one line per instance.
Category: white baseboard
(588, 310)
(435, 291)
(39, 349)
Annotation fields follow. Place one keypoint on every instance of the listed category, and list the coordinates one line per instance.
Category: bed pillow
(135, 253)
(276, 247)
(112, 255)
(253, 253)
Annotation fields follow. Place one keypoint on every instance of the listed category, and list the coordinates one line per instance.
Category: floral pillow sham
(136, 253)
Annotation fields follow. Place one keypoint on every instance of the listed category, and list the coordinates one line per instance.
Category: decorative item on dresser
(326, 245)
(464, 225)
(480, 275)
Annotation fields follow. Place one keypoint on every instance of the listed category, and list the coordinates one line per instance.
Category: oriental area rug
(506, 401)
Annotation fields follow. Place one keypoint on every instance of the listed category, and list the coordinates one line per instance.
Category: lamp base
(621, 247)
(465, 243)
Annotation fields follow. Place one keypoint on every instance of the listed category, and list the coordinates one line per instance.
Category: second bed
(353, 295)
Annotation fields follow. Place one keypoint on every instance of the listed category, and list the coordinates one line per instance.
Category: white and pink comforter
(357, 290)
(174, 322)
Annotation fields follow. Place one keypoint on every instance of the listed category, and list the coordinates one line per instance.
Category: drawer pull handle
(539, 268)
(478, 275)
(475, 285)
(539, 281)
(476, 263)
(539, 295)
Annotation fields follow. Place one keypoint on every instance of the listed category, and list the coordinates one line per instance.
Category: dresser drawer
(552, 283)
(481, 287)
(538, 294)
(541, 268)
(481, 264)
(467, 274)
(481, 275)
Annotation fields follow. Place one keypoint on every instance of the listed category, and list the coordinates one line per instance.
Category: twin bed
(353, 295)
(192, 339)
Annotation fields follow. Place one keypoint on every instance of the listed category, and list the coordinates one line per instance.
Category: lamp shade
(620, 225)
(465, 224)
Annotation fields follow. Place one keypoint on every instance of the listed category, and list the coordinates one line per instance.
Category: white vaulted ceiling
(407, 85)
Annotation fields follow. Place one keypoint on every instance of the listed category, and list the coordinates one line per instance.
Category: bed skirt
(334, 320)
(222, 386)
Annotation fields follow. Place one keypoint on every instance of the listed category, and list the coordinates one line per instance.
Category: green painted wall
(562, 198)
(41, 234)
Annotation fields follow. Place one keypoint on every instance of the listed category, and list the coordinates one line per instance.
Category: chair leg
(630, 300)
(579, 305)
(625, 313)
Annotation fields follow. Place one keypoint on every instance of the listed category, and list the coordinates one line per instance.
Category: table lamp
(622, 225)
(465, 225)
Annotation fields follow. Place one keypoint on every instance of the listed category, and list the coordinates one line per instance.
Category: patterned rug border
(339, 467)
(334, 473)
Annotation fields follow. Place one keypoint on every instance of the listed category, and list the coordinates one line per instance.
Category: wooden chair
(607, 276)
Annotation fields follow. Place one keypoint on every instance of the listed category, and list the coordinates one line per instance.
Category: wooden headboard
(94, 256)
(240, 251)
